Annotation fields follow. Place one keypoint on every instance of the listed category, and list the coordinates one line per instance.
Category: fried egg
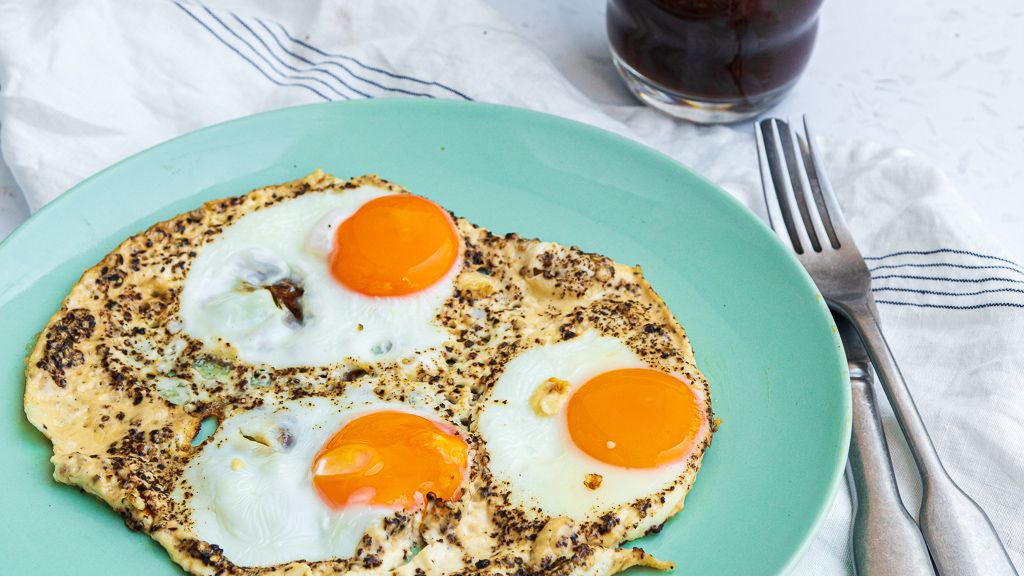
(353, 274)
(307, 479)
(581, 427)
(387, 378)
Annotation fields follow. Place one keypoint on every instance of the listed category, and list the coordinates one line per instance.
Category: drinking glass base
(694, 109)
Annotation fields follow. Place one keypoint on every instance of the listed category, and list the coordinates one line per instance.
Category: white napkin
(85, 84)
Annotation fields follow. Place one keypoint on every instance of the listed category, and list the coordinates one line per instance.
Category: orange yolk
(394, 245)
(634, 418)
(391, 459)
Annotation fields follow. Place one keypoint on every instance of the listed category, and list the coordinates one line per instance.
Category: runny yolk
(391, 459)
(394, 245)
(634, 418)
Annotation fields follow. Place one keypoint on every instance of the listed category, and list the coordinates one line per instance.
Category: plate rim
(838, 466)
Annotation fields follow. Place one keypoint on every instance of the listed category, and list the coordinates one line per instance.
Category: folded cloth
(85, 84)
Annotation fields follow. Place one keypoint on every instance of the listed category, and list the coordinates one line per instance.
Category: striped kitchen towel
(86, 83)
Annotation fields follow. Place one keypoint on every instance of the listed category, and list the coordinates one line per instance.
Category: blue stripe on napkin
(947, 278)
(954, 306)
(269, 64)
(334, 57)
(278, 56)
(322, 67)
(895, 285)
(945, 293)
(246, 58)
(947, 265)
(942, 251)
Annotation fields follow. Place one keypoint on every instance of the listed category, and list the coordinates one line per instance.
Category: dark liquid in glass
(715, 50)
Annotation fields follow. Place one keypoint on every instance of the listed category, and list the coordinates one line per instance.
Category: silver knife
(886, 540)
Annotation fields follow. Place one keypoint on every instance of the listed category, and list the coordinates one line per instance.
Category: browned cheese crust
(91, 389)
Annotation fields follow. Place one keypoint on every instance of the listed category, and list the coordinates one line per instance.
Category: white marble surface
(937, 76)
(940, 77)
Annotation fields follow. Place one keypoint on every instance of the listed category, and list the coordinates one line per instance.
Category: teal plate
(759, 327)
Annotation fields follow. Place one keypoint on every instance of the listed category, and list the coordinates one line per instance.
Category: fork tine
(804, 181)
(825, 198)
(771, 201)
(798, 181)
(782, 185)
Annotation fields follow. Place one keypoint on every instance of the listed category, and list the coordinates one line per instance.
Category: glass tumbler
(711, 61)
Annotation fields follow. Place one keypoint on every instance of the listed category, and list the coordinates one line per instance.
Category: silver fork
(804, 212)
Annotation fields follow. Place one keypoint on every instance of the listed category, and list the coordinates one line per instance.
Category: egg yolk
(394, 245)
(391, 459)
(634, 418)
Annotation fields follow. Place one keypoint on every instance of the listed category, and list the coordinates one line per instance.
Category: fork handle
(886, 540)
(960, 536)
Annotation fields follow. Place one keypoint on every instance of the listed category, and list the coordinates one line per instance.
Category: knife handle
(960, 537)
(886, 540)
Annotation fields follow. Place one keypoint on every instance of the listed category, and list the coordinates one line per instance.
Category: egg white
(293, 239)
(535, 455)
(258, 502)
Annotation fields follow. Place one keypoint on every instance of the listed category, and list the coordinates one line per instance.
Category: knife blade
(886, 540)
